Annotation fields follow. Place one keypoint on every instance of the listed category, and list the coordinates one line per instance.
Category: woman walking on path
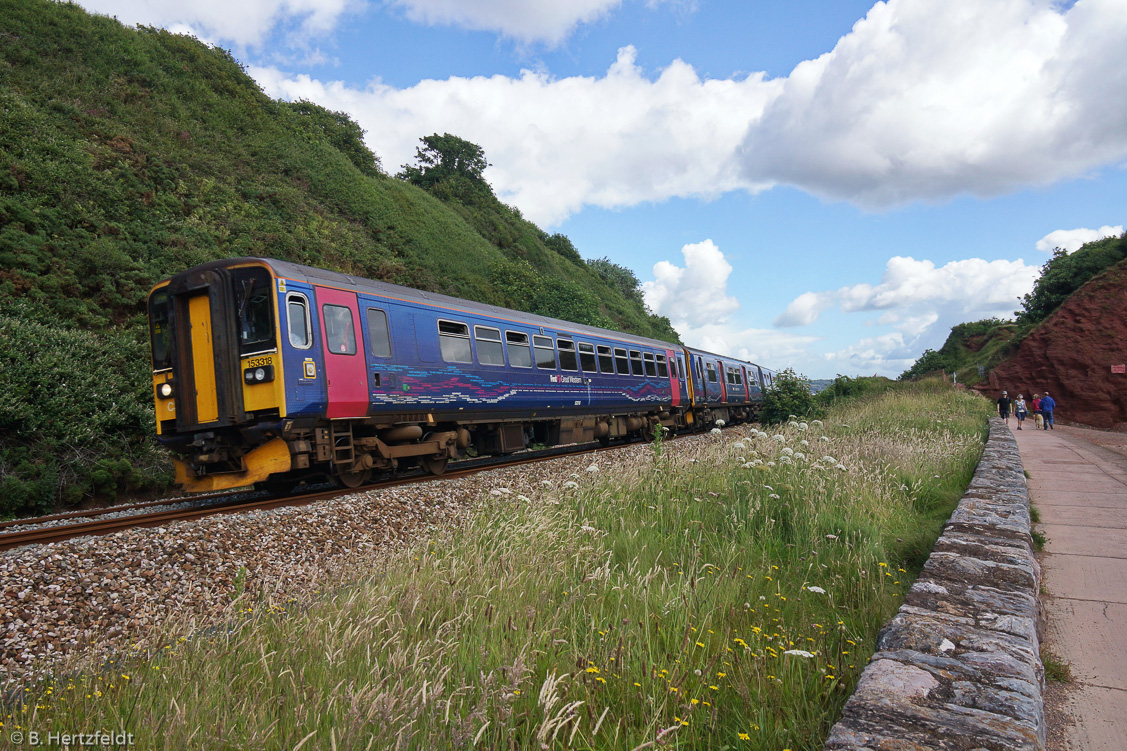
(1020, 412)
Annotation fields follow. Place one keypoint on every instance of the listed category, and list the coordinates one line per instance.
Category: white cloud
(918, 102)
(805, 309)
(925, 99)
(913, 291)
(921, 302)
(696, 294)
(558, 144)
(245, 23)
(1072, 239)
(548, 22)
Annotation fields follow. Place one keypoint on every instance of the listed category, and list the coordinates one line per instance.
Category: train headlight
(164, 391)
(259, 375)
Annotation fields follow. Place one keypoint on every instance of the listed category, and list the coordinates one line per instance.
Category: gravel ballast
(95, 596)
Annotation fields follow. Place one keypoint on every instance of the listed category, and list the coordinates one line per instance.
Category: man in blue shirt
(1048, 404)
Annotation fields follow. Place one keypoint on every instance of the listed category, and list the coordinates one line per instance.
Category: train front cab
(218, 381)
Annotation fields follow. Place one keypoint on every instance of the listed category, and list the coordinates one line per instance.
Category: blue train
(270, 372)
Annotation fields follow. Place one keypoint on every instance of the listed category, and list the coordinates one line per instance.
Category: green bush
(789, 395)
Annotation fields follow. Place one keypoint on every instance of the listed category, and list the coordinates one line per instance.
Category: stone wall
(959, 665)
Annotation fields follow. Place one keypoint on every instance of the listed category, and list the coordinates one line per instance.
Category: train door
(722, 374)
(747, 387)
(346, 379)
(674, 381)
(203, 359)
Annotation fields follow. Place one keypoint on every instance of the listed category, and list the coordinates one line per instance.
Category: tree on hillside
(619, 277)
(443, 157)
(1066, 272)
(930, 361)
(341, 131)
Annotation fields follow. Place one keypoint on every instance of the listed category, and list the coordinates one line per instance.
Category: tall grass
(720, 595)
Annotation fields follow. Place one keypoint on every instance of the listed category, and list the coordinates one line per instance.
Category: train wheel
(434, 466)
(354, 479)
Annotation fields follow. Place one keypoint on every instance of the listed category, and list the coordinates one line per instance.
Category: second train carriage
(266, 370)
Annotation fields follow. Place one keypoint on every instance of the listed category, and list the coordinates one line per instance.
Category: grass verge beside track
(722, 595)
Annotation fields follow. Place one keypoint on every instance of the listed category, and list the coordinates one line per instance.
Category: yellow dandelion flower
(744, 736)
(592, 669)
(699, 644)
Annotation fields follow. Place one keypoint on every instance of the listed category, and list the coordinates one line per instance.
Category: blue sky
(827, 185)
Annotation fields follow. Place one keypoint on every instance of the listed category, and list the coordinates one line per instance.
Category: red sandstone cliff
(1071, 354)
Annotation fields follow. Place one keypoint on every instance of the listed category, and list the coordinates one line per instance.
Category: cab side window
(298, 321)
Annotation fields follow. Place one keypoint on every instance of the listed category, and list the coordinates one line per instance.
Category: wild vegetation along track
(116, 524)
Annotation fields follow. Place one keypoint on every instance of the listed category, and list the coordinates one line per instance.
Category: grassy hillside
(127, 155)
(986, 344)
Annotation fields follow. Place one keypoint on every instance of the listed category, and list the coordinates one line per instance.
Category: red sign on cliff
(1119, 368)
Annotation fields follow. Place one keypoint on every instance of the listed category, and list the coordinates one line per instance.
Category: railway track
(228, 503)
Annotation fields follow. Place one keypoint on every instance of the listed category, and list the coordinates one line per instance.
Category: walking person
(1004, 407)
(1037, 417)
(1020, 410)
(1048, 405)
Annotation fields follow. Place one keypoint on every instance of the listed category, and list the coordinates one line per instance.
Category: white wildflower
(786, 451)
(571, 484)
(773, 495)
(800, 456)
(715, 431)
(817, 590)
(826, 438)
(593, 468)
(792, 422)
(778, 437)
(588, 529)
(803, 426)
(804, 442)
(841, 467)
(831, 537)
(770, 464)
(798, 653)
(739, 445)
(720, 423)
(817, 423)
(761, 597)
(829, 459)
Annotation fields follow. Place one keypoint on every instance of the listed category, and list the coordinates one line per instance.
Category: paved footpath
(1080, 488)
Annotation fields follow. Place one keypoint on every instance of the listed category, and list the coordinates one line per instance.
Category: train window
(651, 368)
(567, 354)
(379, 338)
(621, 361)
(160, 321)
(662, 369)
(489, 351)
(298, 323)
(739, 378)
(340, 333)
(673, 368)
(454, 341)
(711, 372)
(520, 354)
(545, 352)
(587, 357)
(636, 363)
(606, 362)
(253, 288)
